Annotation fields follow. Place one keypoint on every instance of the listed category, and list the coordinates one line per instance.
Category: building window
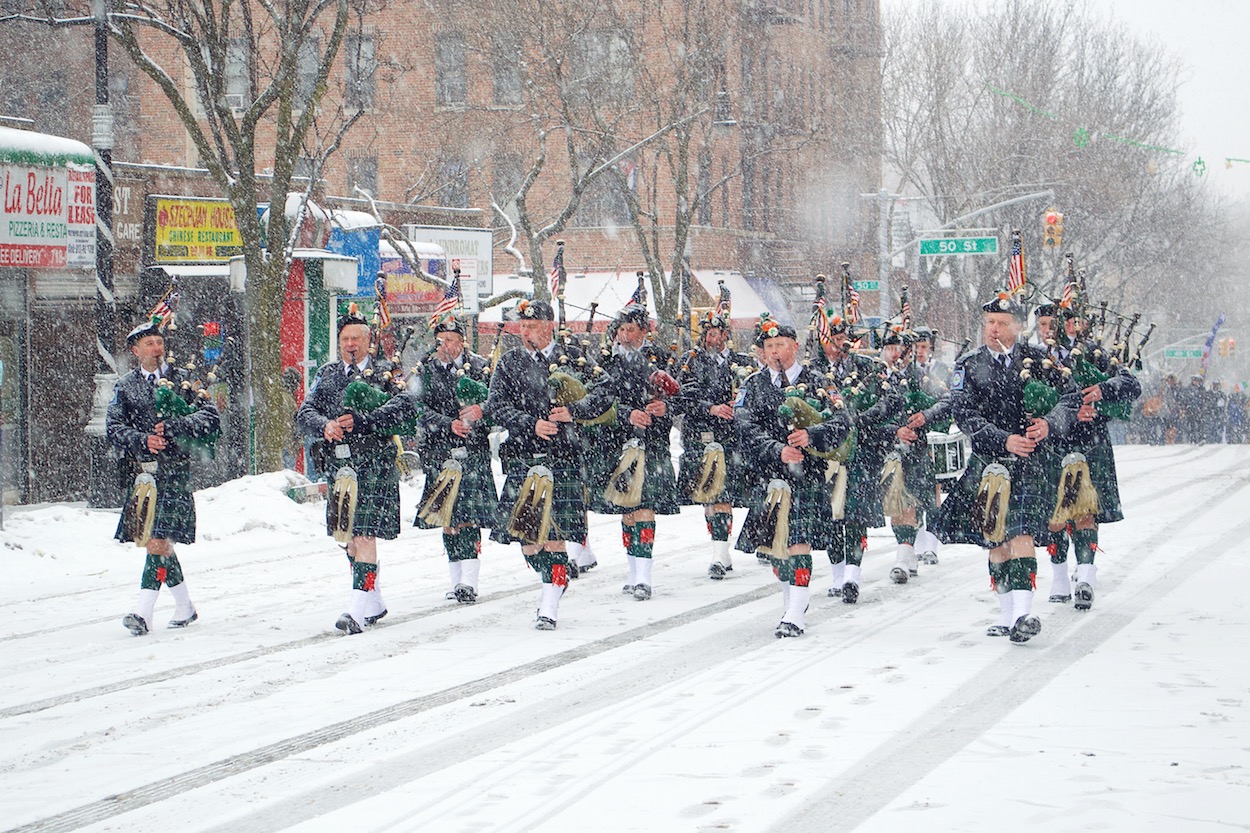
(360, 64)
(450, 78)
(604, 202)
(362, 173)
(603, 65)
(506, 66)
(453, 188)
(307, 65)
(507, 174)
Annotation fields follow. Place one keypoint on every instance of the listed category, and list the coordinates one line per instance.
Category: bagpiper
(935, 381)
(355, 406)
(543, 501)
(459, 495)
(1088, 492)
(787, 439)
(154, 418)
(908, 479)
(1010, 403)
(710, 470)
(642, 484)
(855, 498)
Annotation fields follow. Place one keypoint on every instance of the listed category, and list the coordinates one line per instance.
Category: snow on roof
(350, 220)
(25, 147)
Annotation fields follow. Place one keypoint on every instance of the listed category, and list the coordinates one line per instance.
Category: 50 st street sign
(958, 246)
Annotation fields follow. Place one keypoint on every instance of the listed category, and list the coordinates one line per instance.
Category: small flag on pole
(451, 299)
(1015, 273)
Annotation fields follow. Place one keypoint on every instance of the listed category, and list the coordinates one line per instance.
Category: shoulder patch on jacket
(957, 379)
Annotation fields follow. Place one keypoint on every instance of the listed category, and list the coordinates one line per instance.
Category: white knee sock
(182, 601)
(469, 569)
(796, 607)
(147, 604)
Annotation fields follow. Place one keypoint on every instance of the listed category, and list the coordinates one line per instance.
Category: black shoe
(545, 624)
(787, 629)
(1025, 628)
(835, 592)
(928, 558)
(628, 590)
(850, 593)
(1056, 598)
(182, 623)
(450, 595)
(997, 630)
(642, 592)
(574, 571)
(587, 567)
(898, 575)
(716, 571)
(135, 624)
(465, 594)
(1084, 597)
(348, 625)
(913, 572)
(373, 620)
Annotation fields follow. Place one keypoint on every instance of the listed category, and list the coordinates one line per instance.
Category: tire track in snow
(950, 725)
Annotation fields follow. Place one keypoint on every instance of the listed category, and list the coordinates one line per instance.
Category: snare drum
(950, 453)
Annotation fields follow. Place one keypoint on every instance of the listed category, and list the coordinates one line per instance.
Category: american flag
(557, 266)
(820, 319)
(451, 299)
(1069, 295)
(1015, 272)
(640, 295)
(163, 312)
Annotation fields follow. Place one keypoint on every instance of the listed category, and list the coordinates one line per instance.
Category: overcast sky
(1212, 37)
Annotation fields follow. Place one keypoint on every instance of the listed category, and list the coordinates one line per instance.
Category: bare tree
(1027, 97)
(260, 75)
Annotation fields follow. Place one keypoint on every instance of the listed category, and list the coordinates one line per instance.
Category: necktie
(352, 372)
(1002, 361)
(777, 381)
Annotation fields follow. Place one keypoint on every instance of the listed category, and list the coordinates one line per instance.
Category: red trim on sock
(160, 575)
(802, 577)
(371, 580)
(1052, 549)
(625, 538)
(559, 575)
(1032, 581)
(646, 534)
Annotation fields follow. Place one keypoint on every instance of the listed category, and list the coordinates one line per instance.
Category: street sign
(867, 286)
(959, 246)
(1183, 353)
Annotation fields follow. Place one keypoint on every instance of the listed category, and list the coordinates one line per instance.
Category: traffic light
(1052, 229)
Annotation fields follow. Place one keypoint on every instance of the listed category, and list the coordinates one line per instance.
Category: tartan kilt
(1101, 458)
(863, 491)
(476, 502)
(691, 463)
(809, 516)
(175, 505)
(568, 504)
(659, 485)
(1034, 485)
(377, 493)
(921, 477)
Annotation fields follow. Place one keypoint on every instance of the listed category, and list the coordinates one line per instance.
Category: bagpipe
(569, 382)
(440, 501)
(624, 487)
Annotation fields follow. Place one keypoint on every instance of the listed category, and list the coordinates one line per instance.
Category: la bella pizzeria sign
(47, 206)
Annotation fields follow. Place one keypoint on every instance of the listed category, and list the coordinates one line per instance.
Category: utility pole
(102, 486)
(884, 199)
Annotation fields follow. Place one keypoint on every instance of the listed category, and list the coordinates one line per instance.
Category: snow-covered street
(682, 713)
